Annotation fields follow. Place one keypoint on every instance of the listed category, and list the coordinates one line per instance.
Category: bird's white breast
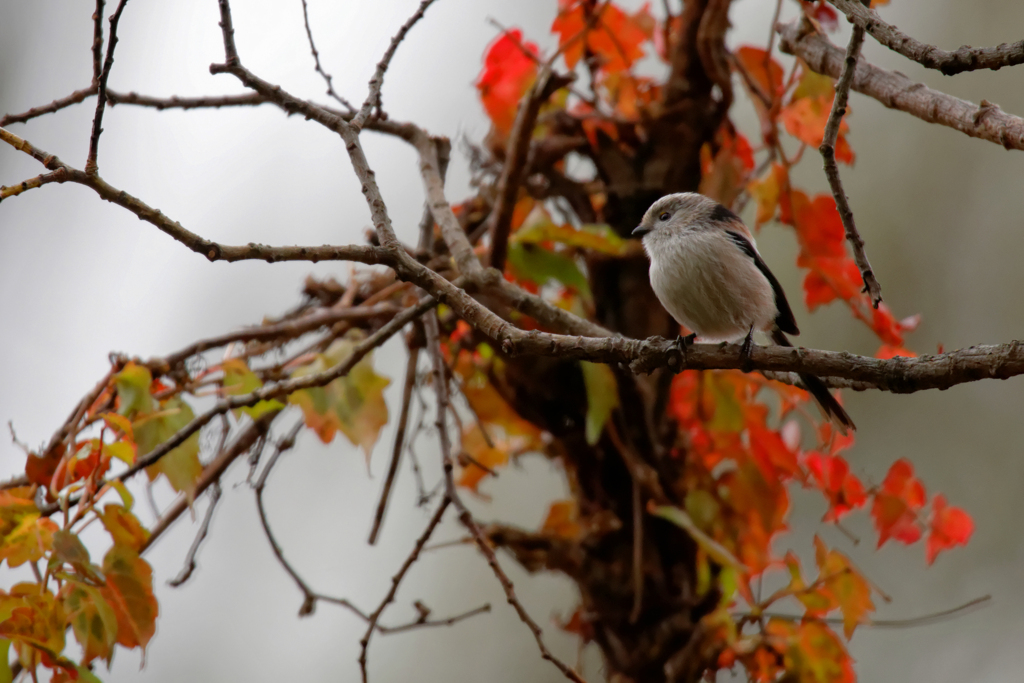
(709, 285)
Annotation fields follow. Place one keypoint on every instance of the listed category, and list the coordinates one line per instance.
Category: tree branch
(58, 176)
(211, 475)
(316, 59)
(396, 453)
(97, 43)
(515, 164)
(190, 560)
(828, 155)
(896, 91)
(465, 516)
(91, 166)
(211, 250)
(396, 581)
(377, 81)
(965, 58)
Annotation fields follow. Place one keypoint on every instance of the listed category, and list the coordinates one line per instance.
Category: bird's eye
(665, 216)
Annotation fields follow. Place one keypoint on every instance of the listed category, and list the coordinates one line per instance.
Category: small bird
(709, 276)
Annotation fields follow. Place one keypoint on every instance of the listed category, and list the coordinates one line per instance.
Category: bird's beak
(640, 230)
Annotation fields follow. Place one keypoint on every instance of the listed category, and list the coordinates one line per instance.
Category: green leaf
(352, 404)
(602, 397)
(93, 621)
(532, 262)
(6, 675)
(591, 236)
(133, 389)
(238, 380)
(181, 466)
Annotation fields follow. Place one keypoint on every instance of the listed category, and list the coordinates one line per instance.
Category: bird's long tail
(829, 405)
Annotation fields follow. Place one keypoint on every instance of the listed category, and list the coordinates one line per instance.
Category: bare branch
(465, 517)
(204, 529)
(280, 331)
(396, 581)
(309, 595)
(55, 106)
(396, 453)
(58, 176)
(176, 102)
(373, 97)
(828, 155)
(447, 621)
(965, 58)
(160, 103)
(211, 250)
(912, 622)
(455, 237)
(894, 90)
(316, 59)
(97, 43)
(91, 165)
(211, 475)
(515, 164)
(228, 33)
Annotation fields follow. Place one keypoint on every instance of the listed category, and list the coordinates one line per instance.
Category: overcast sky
(942, 215)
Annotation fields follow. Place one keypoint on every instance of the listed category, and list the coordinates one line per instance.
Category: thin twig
(396, 453)
(273, 391)
(211, 474)
(447, 621)
(373, 99)
(319, 69)
(91, 164)
(638, 554)
(515, 165)
(828, 155)
(465, 517)
(309, 595)
(97, 43)
(923, 620)
(966, 58)
(396, 581)
(190, 558)
(58, 176)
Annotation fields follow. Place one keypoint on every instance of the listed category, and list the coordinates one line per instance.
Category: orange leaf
(948, 526)
(507, 74)
(563, 520)
(764, 70)
(765, 190)
(846, 584)
(129, 591)
(896, 504)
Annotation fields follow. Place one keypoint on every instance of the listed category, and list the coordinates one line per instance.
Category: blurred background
(942, 215)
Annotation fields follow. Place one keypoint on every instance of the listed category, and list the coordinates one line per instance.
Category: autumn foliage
(740, 444)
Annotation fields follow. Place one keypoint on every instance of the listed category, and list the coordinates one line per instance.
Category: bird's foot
(682, 343)
(746, 362)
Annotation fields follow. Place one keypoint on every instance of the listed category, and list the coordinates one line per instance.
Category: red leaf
(949, 526)
(507, 74)
(896, 504)
(843, 490)
(614, 37)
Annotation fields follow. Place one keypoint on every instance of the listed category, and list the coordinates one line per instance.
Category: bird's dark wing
(785, 319)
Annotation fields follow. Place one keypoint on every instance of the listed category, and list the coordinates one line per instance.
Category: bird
(707, 273)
